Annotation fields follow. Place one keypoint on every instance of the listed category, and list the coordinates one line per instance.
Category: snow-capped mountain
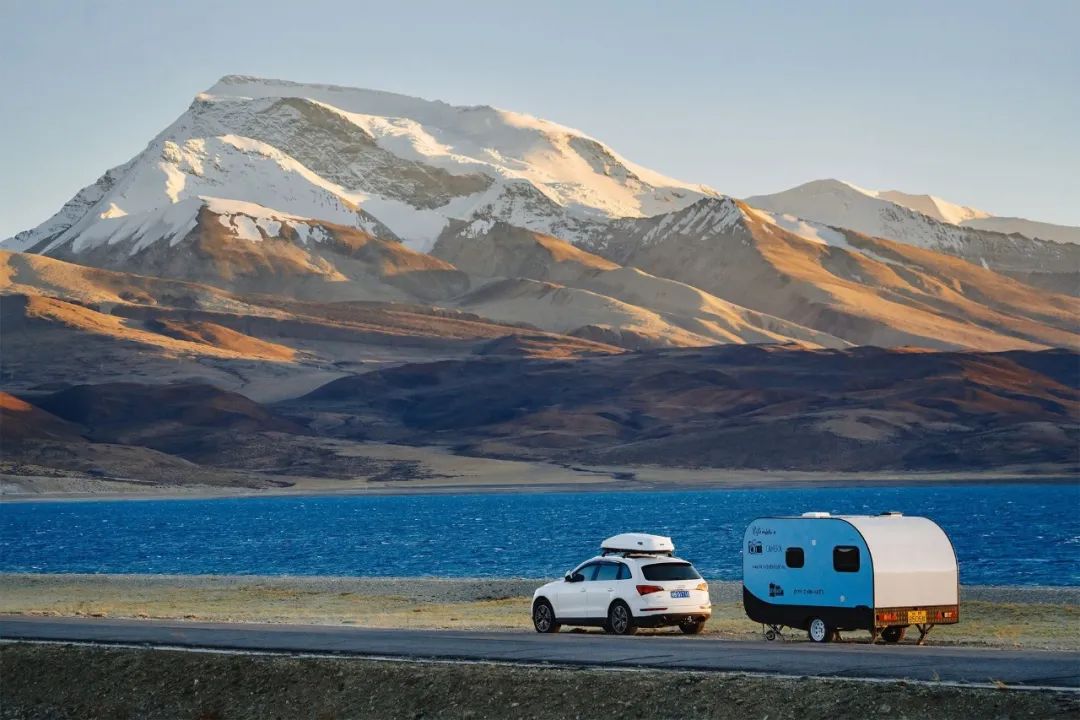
(1018, 248)
(345, 155)
(1028, 228)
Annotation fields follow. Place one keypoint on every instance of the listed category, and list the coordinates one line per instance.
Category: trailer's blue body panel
(766, 574)
(777, 593)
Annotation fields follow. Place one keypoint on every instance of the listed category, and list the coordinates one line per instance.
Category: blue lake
(1010, 534)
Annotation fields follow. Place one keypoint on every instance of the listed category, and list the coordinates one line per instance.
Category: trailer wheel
(770, 634)
(818, 631)
(894, 633)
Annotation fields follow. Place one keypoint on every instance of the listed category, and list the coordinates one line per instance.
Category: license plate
(916, 617)
(686, 594)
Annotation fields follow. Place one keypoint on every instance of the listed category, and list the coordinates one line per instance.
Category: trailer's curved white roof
(914, 561)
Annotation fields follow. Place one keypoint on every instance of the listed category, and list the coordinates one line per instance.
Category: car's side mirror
(574, 577)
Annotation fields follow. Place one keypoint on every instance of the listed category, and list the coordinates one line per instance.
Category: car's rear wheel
(544, 617)
(894, 633)
(692, 627)
(818, 631)
(620, 621)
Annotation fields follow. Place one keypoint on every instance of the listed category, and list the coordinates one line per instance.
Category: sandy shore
(437, 470)
(1030, 617)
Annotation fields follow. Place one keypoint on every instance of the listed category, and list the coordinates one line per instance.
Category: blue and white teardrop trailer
(826, 573)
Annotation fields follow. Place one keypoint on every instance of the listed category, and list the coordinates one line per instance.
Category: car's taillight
(646, 589)
(703, 587)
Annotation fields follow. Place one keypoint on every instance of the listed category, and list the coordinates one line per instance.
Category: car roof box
(638, 544)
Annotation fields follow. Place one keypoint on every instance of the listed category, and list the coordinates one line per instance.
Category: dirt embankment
(61, 682)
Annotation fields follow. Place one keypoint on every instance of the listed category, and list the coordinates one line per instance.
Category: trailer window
(845, 558)
(794, 557)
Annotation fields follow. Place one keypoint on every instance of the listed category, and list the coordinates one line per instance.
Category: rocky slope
(657, 307)
(768, 407)
(838, 283)
(772, 407)
(66, 324)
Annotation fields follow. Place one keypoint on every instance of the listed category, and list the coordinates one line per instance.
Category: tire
(620, 621)
(770, 635)
(894, 633)
(544, 617)
(692, 627)
(818, 631)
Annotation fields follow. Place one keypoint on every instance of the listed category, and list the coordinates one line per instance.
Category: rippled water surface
(1010, 534)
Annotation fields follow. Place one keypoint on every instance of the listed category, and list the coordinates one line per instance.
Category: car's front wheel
(620, 621)
(692, 627)
(544, 617)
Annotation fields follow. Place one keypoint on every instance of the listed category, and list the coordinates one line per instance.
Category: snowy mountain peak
(329, 152)
(934, 207)
(929, 205)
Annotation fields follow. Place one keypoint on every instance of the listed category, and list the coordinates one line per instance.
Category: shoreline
(720, 588)
(647, 479)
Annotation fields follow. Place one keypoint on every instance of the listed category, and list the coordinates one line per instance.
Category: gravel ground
(450, 590)
(1034, 618)
(140, 684)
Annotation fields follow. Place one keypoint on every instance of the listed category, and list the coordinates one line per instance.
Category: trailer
(826, 573)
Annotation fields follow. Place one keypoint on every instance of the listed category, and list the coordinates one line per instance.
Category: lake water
(1009, 534)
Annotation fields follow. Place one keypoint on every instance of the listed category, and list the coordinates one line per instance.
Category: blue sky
(978, 102)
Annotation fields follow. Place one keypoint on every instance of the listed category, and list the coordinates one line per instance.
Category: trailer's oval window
(845, 558)
(794, 557)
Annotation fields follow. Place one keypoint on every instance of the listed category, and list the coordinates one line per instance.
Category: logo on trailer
(775, 590)
(754, 547)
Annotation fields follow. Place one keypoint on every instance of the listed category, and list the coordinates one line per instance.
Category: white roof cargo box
(638, 543)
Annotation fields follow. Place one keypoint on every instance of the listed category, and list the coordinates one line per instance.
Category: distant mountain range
(323, 193)
(278, 236)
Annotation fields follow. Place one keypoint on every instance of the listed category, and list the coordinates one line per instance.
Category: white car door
(601, 590)
(570, 602)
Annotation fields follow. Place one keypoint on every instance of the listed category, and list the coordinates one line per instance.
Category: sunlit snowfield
(1007, 534)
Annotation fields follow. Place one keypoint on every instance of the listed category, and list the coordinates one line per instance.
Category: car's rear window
(670, 571)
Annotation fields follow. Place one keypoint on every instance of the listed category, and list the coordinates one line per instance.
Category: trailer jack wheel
(772, 632)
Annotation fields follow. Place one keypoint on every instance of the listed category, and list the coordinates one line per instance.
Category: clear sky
(977, 102)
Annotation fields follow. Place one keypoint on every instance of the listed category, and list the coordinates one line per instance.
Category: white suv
(636, 582)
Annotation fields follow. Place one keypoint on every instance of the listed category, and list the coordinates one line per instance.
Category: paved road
(978, 665)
